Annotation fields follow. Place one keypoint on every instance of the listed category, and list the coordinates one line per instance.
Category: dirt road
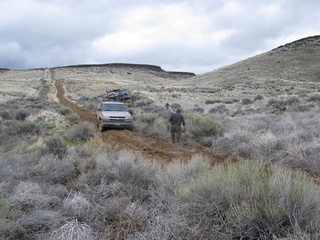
(152, 147)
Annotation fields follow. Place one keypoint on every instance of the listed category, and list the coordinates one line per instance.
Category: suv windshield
(115, 107)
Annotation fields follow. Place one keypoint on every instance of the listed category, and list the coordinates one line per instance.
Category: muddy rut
(151, 147)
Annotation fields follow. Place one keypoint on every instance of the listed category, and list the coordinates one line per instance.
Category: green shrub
(82, 131)
(6, 212)
(250, 200)
(148, 118)
(200, 126)
(54, 145)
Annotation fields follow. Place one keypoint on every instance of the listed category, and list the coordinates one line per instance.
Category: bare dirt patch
(152, 147)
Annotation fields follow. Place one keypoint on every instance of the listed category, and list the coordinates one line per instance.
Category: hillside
(297, 61)
(289, 71)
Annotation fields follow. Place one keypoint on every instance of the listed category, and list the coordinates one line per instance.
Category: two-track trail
(152, 147)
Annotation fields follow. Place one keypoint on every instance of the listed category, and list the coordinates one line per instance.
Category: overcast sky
(178, 35)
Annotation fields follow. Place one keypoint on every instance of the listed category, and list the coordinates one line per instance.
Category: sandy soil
(151, 147)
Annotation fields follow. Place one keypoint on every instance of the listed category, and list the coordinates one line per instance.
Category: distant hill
(153, 69)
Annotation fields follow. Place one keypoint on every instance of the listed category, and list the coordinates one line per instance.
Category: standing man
(170, 111)
(176, 120)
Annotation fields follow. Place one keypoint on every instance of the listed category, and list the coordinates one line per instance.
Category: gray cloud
(178, 35)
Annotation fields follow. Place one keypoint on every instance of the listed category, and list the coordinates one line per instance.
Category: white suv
(113, 115)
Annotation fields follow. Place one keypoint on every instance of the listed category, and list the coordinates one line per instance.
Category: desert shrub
(246, 101)
(176, 105)
(148, 118)
(301, 108)
(250, 201)
(139, 172)
(90, 106)
(65, 111)
(200, 126)
(21, 114)
(314, 98)
(291, 101)
(275, 103)
(219, 109)
(18, 128)
(36, 223)
(123, 217)
(54, 145)
(77, 206)
(28, 196)
(73, 118)
(5, 115)
(82, 131)
(73, 230)
(198, 109)
(56, 170)
(212, 101)
(258, 97)
(143, 103)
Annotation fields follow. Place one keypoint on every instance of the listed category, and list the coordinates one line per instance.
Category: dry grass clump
(28, 196)
(37, 223)
(77, 206)
(73, 230)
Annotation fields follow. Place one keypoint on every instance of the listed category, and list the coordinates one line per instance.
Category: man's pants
(175, 133)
